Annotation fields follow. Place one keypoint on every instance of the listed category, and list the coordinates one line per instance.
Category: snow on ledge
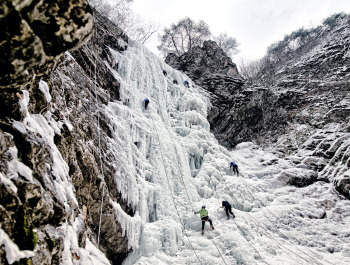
(12, 251)
(16, 167)
(45, 89)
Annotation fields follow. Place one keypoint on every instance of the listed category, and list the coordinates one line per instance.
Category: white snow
(90, 255)
(179, 161)
(16, 167)
(46, 127)
(130, 225)
(12, 251)
(167, 164)
(45, 89)
(7, 181)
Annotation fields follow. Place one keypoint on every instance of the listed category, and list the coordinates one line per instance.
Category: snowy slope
(183, 167)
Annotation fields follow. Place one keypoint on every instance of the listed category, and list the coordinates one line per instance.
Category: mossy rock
(23, 262)
(24, 237)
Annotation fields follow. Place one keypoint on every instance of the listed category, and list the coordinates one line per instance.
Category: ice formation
(170, 164)
(181, 166)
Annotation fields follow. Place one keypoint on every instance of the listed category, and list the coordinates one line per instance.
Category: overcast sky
(254, 23)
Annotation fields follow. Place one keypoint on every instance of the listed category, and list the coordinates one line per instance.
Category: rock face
(50, 166)
(203, 62)
(239, 112)
(80, 97)
(214, 71)
(314, 93)
(300, 108)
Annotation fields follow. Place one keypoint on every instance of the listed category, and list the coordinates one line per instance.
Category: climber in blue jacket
(234, 167)
(186, 84)
(146, 101)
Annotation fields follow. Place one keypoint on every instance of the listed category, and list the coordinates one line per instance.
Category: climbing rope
(179, 170)
(256, 198)
(183, 182)
(265, 228)
(99, 148)
(234, 221)
(93, 150)
(265, 231)
(181, 177)
(99, 144)
(178, 214)
(256, 222)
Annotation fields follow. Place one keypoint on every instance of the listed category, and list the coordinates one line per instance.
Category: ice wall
(180, 166)
(167, 163)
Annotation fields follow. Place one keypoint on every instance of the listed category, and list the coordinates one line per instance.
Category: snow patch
(13, 253)
(45, 89)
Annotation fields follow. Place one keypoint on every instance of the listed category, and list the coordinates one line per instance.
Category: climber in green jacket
(204, 217)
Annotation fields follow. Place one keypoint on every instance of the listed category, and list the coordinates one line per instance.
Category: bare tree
(120, 13)
(249, 69)
(182, 36)
(144, 33)
(228, 44)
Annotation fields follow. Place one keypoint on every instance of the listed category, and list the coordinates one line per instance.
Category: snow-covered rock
(94, 178)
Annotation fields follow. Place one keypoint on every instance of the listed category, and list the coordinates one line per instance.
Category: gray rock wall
(74, 93)
(34, 37)
(214, 71)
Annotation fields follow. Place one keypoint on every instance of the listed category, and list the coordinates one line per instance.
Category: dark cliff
(214, 71)
(34, 36)
(50, 163)
(81, 87)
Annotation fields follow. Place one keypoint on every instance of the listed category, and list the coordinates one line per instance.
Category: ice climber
(228, 209)
(186, 84)
(175, 82)
(146, 100)
(234, 167)
(204, 217)
(165, 73)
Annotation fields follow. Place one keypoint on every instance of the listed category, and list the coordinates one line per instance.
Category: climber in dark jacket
(165, 73)
(234, 167)
(228, 209)
(186, 84)
(175, 82)
(204, 217)
(146, 100)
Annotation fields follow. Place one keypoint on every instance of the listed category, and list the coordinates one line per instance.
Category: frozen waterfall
(176, 165)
